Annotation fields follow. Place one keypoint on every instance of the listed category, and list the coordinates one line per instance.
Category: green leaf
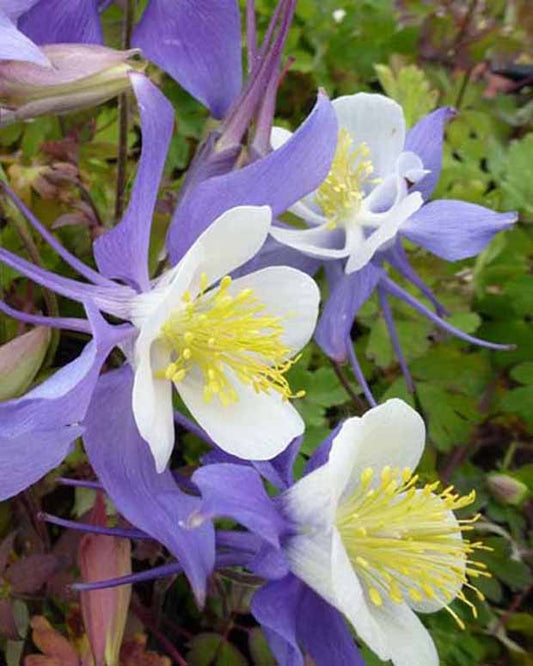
(410, 88)
(451, 417)
(520, 401)
(20, 360)
(523, 373)
(512, 572)
(518, 182)
(213, 650)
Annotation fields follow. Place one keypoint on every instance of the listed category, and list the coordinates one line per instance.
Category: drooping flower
(360, 533)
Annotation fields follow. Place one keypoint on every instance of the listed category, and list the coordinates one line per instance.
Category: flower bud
(104, 611)
(81, 75)
(506, 489)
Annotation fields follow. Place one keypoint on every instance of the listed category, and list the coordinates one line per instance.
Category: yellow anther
(225, 282)
(341, 192)
(402, 542)
(178, 376)
(406, 474)
(228, 339)
(366, 475)
(170, 371)
(386, 475)
(375, 596)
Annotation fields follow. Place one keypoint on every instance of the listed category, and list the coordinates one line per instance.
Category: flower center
(342, 190)
(403, 542)
(218, 332)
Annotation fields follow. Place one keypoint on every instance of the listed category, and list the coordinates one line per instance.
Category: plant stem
(145, 617)
(123, 113)
(347, 386)
(50, 298)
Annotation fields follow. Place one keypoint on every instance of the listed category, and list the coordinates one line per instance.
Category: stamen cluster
(342, 190)
(218, 332)
(405, 544)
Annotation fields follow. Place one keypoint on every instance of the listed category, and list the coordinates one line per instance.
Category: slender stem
(145, 617)
(347, 386)
(358, 373)
(465, 25)
(395, 340)
(462, 89)
(50, 298)
(123, 113)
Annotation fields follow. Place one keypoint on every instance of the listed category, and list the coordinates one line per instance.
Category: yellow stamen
(403, 543)
(219, 332)
(341, 192)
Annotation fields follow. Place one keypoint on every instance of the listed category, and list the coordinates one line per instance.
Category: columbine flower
(372, 197)
(362, 533)
(374, 544)
(225, 344)
(122, 288)
(365, 198)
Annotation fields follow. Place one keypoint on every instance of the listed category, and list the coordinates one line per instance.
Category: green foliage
(478, 405)
(410, 87)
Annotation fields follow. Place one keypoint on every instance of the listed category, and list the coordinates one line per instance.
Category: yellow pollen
(341, 192)
(227, 337)
(403, 543)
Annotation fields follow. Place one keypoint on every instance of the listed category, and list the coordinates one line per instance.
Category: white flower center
(403, 542)
(218, 332)
(341, 193)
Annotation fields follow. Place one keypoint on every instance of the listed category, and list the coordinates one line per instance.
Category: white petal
(149, 310)
(287, 293)
(385, 196)
(310, 559)
(152, 401)
(379, 122)
(410, 166)
(410, 643)
(351, 600)
(390, 434)
(279, 136)
(258, 426)
(385, 233)
(152, 397)
(318, 242)
(232, 239)
(310, 501)
(306, 209)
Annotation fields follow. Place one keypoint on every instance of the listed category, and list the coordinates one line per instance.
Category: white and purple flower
(361, 535)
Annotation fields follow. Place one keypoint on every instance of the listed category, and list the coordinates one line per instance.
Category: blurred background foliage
(476, 56)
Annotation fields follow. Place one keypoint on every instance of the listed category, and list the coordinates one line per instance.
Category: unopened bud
(81, 76)
(506, 489)
(104, 611)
